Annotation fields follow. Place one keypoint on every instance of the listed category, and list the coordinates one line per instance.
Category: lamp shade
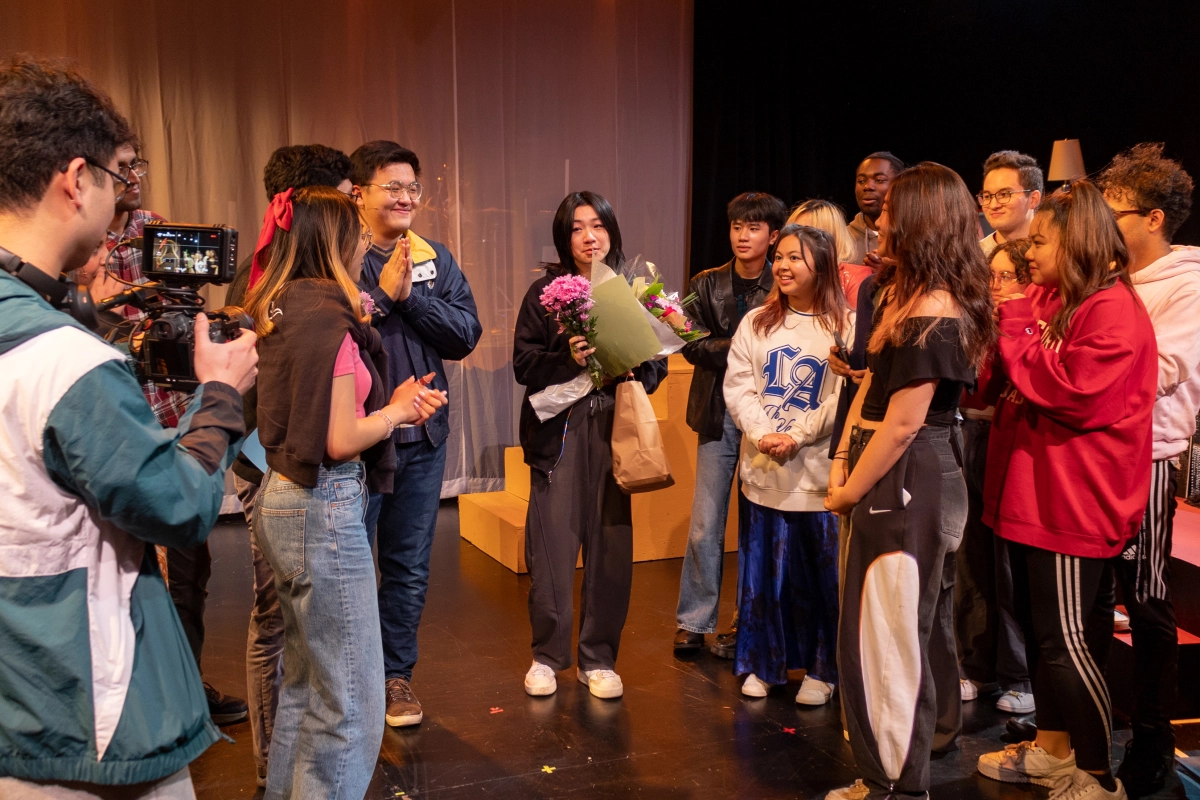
(1066, 161)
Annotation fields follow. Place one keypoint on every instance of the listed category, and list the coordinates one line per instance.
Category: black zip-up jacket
(715, 309)
(541, 358)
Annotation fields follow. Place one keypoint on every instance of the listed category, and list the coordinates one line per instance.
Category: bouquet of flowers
(569, 300)
(668, 308)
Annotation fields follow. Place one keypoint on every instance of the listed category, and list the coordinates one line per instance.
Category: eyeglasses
(120, 184)
(138, 167)
(1001, 197)
(1141, 212)
(395, 189)
(1004, 278)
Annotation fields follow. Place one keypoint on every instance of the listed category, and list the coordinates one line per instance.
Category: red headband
(279, 214)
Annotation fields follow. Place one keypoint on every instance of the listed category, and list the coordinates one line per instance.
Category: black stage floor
(682, 730)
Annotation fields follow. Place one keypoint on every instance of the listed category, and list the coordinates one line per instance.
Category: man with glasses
(98, 695)
(426, 313)
(1151, 196)
(1012, 189)
(188, 569)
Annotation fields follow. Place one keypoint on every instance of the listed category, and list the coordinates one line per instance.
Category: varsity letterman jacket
(1068, 466)
(97, 682)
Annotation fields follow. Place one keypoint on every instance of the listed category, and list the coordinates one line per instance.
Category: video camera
(179, 259)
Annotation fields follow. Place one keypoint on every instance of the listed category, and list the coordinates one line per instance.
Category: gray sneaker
(403, 707)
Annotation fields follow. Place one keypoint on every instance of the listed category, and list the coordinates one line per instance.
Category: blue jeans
(407, 520)
(704, 560)
(330, 720)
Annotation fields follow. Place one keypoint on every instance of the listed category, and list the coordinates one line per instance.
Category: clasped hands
(413, 402)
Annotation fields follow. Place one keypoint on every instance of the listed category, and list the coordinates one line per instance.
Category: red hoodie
(1068, 466)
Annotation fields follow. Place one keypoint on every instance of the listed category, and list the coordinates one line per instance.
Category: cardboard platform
(495, 521)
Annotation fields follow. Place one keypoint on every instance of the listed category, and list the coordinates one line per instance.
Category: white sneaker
(1014, 702)
(857, 791)
(753, 687)
(1120, 622)
(814, 692)
(1026, 763)
(1084, 786)
(603, 683)
(540, 680)
(969, 689)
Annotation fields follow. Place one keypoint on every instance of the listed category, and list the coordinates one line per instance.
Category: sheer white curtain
(509, 105)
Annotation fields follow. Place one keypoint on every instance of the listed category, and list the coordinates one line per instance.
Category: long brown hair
(1092, 254)
(829, 301)
(933, 239)
(326, 227)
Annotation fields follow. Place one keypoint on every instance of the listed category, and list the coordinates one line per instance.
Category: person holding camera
(326, 426)
(99, 689)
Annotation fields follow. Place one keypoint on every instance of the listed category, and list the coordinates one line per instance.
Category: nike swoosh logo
(879, 510)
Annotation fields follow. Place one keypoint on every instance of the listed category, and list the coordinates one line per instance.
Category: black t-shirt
(940, 357)
(741, 290)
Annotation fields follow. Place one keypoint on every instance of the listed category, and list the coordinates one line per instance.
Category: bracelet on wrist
(391, 426)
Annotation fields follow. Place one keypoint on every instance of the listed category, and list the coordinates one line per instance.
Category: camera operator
(98, 690)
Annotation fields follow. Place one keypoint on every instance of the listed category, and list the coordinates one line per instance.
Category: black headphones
(59, 293)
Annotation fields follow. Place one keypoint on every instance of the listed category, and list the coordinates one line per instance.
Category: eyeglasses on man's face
(120, 184)
(138, 168)
(1001, 197)
(1141, 212)
(396, 190)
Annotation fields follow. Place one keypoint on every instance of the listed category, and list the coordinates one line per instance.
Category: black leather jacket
(716, 309)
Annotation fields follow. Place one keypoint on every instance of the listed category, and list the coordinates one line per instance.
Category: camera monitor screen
(189, 253)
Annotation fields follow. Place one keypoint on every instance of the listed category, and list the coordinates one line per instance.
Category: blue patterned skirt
(788, 611)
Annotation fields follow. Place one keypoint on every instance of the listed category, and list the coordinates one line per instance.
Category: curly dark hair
(1144, 178)
(49, 115)
(299, 165)
(1015, 249)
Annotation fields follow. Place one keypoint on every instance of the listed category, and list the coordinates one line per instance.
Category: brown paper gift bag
(638, 456)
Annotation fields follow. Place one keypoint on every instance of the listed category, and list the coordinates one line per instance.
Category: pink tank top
(349, 362)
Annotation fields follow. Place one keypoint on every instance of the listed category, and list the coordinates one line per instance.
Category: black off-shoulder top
(940, 357)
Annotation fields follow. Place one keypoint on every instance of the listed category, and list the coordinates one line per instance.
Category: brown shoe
(403, 708)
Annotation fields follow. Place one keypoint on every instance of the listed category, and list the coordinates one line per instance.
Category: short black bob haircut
(49, 115)
(376, 155)
(757, 207)
(564, 222)
(297, 166)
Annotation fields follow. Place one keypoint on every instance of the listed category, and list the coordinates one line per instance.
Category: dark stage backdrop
(790, 96)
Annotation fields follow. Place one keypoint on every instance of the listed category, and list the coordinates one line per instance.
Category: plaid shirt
(126, 262)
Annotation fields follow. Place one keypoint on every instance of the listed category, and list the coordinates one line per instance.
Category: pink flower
(368, 304)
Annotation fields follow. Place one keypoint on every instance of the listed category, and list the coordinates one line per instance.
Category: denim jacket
(438, 321)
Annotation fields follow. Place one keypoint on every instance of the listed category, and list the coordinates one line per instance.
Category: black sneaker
(686, 641)
(1149, 757)
(223, 709)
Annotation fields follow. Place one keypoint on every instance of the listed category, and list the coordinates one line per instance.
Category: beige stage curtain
(508, 104)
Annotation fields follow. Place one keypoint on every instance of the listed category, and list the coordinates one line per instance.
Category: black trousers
(990, 645)
(188, 571)
(1143, 573)
(1065, 606)
(580, 504)
(896, 653)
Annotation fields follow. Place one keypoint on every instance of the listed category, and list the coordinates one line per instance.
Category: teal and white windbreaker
(97, 682)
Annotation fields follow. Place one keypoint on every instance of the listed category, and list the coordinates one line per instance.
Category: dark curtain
(790, 96)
